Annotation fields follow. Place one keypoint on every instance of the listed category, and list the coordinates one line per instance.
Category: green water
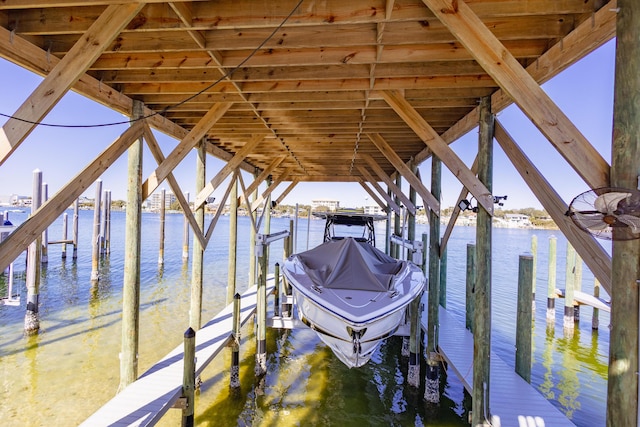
(62, 375)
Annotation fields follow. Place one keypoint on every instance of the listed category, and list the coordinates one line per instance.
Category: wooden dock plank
(147, 399)
(513, 401)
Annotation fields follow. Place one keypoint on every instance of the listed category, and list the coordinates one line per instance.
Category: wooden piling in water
(577, 286)
(534, 271)
(261, 313)
(95, 238)
(568, 322)
(32, 316)
(163, 198)
(443, 279)
(595, 319)
(412, 342)
(470, 286)
(131, 275)
(551, 281)
(65, 226)
(397, 223)
(524, 317)
(195, 308)
(76, 215)
(185, 234)
(276, 291)
(432, 386)
(189, 378)
(233, 240)
(234, 382)
(482, 318)
(44, 256)
(107, 222)
(622, 385)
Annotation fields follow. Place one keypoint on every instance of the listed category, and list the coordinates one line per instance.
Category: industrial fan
(608, 213)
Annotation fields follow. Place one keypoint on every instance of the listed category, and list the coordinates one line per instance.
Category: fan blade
(632, 221)
(590, 221)
(608, 202)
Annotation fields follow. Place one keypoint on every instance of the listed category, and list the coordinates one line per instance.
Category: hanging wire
(170, 107)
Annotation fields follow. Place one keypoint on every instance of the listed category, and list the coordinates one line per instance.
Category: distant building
(17, 200)
(373, 210)
(154, 202)
(332, 205)
(517, 220)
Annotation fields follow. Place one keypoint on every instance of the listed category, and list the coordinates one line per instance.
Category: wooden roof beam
(63, 76)
(437, 145)
(384, 177)
(269, 190)
(287, 191)
(374, 183)
(594, 255)
(263, 175)
(26, 233)
(374, 196)
(405, 171)
(182, 149)
(225, 171)
(514, 80)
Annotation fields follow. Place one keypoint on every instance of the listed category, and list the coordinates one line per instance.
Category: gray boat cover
(349, 264)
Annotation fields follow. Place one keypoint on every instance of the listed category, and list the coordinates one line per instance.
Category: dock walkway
(146, 400)
(513, 401)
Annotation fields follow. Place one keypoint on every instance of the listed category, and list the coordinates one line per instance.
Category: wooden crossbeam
(441, 149)
(182, 149)
(405, 171)
(62, 77)
(373, 195)
(263, 175)
(221, 205)
(269, 189)
(367, 175)
(594, 255)
(287, 191)
(514, 80)
(226, 170)
(27, 232)
(156, 151)
(384, 177)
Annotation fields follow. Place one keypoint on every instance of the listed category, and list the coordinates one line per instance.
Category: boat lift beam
(263, 240)
(416, 247)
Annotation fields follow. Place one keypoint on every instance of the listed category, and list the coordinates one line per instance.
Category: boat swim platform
(513, 401)
(583, 298)
(146, 400)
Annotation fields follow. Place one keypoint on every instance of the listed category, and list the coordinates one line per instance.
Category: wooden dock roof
(325, 86)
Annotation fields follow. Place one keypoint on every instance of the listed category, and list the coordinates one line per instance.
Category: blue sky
(584, 92)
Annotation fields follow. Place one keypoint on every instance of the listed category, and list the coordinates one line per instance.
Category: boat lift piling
(551, 286)
(185, 234)
(524, 317)
(32, 317)
(95, 240)
(234, 381)
(44, 256)
(163, 198)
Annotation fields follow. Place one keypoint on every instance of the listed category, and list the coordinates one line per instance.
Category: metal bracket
(181, 403)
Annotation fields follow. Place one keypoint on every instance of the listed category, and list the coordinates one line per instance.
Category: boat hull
(353, 321)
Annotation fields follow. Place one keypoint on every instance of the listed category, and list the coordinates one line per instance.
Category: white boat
(352, 294)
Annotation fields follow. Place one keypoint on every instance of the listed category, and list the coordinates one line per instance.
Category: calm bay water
(60, 376)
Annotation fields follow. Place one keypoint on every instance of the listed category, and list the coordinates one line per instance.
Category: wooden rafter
(263, 197)
(514, 80)
(431, 138)
(394, 188)
(156, 151)
(371, 180)
(24, 234)
(598, 261)
(374, 196)
(263, 175)
(64, 75)
(287, 190)
(406, 172)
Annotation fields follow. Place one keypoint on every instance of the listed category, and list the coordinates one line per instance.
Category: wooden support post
(308, 226)
(482, 318)
(387, 233)
(132, 246)
(551, 281)
(195, 310)
(65, 227)
(276, 291)
(622, 390)
(534, 254)
(107, 222)
(443, 278)
(185, 233)
(95, 239)
(189, 378)
(233, 240)
(397, 224)
(44, 256)
(471, 285)
(409, 343)
(261, 313)
(568, 288)
(103, 223)
(595, 319)
(252, 242)
(163, 212)
(32, 317)
(415, 341)
(524, 318)
(425, 254)
(432, 388)
(234, 382)
(287, 309)
(295, 231)
(76, 214)
(577, 286)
